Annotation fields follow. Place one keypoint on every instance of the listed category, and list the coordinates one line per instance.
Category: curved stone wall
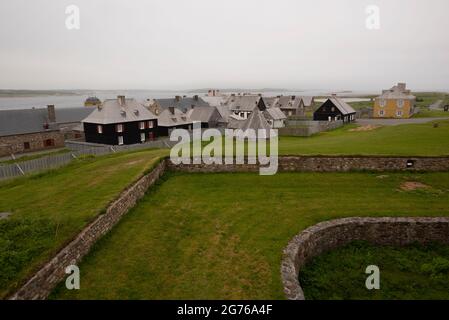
(328, 235)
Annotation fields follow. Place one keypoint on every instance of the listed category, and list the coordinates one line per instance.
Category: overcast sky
(180, 44)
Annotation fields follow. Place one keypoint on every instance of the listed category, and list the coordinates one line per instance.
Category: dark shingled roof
(32, 120)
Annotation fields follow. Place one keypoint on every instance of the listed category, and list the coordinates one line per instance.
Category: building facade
(120, 121)
(335, 109)
(29, 130)
(396, 102)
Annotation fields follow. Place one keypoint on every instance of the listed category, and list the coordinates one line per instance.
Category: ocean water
(77, 100)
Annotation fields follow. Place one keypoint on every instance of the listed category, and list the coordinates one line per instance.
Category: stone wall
(16, 143)
(44, 281)
(335, 233)
(329, 164)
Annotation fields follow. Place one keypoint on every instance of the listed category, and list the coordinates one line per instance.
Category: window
(399, 113)
(150, 124)
(120, 140)
(382, 103)
(381, 113)
(142, 125)
(333, 109)
(49, 143)
(26, 145)
(400, 103)
(119, 127)
(142, 137)
(99, 129)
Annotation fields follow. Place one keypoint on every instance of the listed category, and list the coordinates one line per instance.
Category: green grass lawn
(220, 236)
(410, 139)
(414, 272)
(49, 209)
(400, 140)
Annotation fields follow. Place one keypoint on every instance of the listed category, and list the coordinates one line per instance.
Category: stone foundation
(335, 233)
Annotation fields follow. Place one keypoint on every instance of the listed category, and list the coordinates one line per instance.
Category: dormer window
(174, 119)
(99, 129)
(184, 118)
(119, 128)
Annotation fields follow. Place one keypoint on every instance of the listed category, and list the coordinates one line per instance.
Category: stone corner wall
(40, 285)
(331, 234)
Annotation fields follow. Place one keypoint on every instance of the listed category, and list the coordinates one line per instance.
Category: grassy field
(413, 139)
(413, 272)
(400, 140)
(207, 236)
(49, 209)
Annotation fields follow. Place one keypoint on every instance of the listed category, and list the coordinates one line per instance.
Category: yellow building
(396, 102)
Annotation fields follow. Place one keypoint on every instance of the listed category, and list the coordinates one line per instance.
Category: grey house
(209, 117)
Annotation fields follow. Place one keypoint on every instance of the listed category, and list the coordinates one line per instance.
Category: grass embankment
(413, 272)
(51, 208)
(220, 236)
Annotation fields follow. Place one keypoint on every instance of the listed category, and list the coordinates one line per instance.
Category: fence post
(20, 169)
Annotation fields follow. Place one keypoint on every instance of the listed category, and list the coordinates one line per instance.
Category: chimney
(195, 97)
(121, 100)
(51, 113)
(293, 97)
(333, 95)
(172, 110)
(178, 98)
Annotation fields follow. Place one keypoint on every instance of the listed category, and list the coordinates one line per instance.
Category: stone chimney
(178, 98)
(172, 110)
(121, 100)
(51, 113)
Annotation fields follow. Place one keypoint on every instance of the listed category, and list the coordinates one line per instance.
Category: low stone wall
(329, 164)
(335, 233)
(44, 281)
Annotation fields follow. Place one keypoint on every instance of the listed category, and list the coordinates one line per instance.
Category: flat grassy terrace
(49, 209)
(220, 236)
(405, 140)
(414, 272)
(401, 140)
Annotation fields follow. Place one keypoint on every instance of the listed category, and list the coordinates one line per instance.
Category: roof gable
(119, 111)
